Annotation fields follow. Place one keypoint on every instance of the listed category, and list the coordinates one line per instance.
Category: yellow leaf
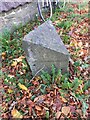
(16, 114)
(23, 87)
(10, 90)
(3, 53)
(66, 110)
(14, 64)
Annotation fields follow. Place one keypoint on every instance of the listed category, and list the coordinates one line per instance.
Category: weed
(51, 78)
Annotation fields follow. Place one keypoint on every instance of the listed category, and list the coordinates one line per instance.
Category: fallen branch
(37, 73)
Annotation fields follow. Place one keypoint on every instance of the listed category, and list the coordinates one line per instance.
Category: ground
(55, 95)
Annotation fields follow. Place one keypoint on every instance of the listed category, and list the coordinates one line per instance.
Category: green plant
(65, 24)
(51, 78)
(83, 99)
(86, 85)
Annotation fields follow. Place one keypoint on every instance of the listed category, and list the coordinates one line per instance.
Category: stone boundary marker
(44, 47)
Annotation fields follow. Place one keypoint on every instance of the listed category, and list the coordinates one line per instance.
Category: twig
(37, 73)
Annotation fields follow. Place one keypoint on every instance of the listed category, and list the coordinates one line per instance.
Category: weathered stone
(44, 47)
(19, 15)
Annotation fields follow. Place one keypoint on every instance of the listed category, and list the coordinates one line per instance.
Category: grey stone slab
(6, 6)
(44, 47)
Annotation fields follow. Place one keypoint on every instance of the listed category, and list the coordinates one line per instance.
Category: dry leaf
(46, 108)
(65, 110)
(79, 111)
(22, 57)
(38, 108)
(80, 44)
(24, 65)
(3, 57)
(3, 53)
(23, 87)
(16, 114)
(58, 114)
(11, 76)
(19, 59)
(39, 98)
(14, 64)
(63, 99)
(10, 90)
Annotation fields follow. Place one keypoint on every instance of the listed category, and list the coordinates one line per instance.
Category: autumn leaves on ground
(54, 96)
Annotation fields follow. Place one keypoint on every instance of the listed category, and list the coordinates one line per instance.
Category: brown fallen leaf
(39, 98)
(80, 44)
(46, 108)
(38, 108)
(3, 53)
(79, 111)
(63, 99)
(58, 115)
(66, 110)
(40, 113)
(3, 57)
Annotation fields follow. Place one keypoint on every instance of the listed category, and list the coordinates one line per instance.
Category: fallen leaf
(23, 87)
(10, 90)
(79, 111)
(14, 64)
(63, 99)
(11, 76)
(65, 110)
(38, 108)
(3, 53)
(3, 57)
(39, 98)
(24, 65)
(40, 113)
(46, 108)
(80, 44)
(72, 109)
(16, 114)
(22, 57)
(58, 114)
(19, 59)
